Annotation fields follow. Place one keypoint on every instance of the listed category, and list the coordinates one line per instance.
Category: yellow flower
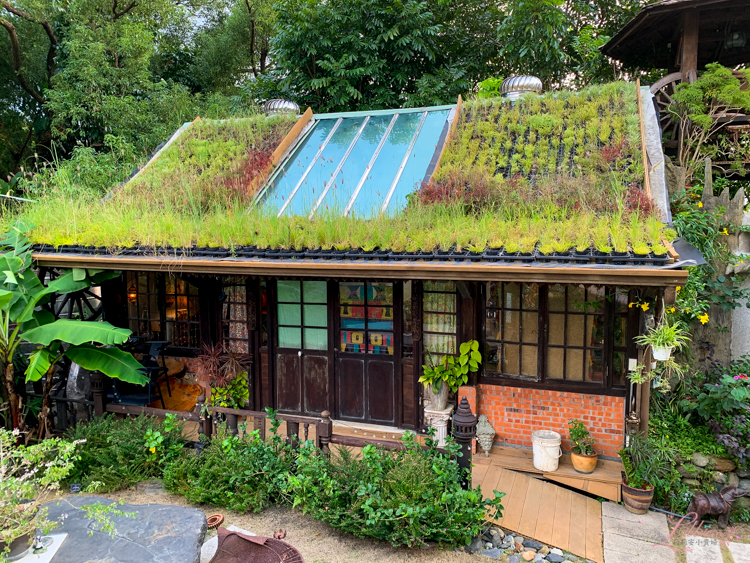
(667, 435)
(703, 318)
(700, 204)
(644, 306)
(724, 232)
(672, 310)
(678, 288)
(152, 450)
(687, 309)
(630, 305)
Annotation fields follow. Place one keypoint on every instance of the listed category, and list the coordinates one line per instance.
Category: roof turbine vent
(515, 87)
(277, 106)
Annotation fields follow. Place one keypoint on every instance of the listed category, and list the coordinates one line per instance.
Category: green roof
(559, 170)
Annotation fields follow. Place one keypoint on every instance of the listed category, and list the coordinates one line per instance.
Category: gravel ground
(317, 541)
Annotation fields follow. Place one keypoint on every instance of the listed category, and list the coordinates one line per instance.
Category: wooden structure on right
(683, 36)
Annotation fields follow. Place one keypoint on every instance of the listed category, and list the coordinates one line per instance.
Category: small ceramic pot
(439, 400)
(661, 354)
(584, 463)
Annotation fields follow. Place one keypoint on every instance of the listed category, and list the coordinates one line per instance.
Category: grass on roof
(555, 171)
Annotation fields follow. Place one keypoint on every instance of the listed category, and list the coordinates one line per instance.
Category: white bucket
(547, 449)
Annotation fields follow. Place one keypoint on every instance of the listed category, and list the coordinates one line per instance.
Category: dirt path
(317, 541)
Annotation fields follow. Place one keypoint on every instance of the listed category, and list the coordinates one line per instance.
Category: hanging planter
(662, 353)
(663, 338)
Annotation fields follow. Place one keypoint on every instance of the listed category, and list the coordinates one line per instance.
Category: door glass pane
(492, 325)
(440, 302)
(510, 359)
(290, 337)
(557, 329)
(352, 317)
(440, 343)
(576, 298)
(352, 341)
(528, 361)
(618, 368)
(511, 326)
(556, 298)
(380, 294)
(439, 286)
(289, 314)
(574, 365)
(530, 327)
(575, 330)
(288, 291)
(352, 293)
(511, 299)
(316, 315)
(316, 339)
(594, 365)
(491, 357)
(315, 291)
(380, 318)
(595, 329)
(380, 343)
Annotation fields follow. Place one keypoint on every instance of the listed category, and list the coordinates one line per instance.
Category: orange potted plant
(582, 452)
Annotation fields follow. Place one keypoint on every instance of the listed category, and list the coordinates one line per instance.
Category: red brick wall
(516, 412)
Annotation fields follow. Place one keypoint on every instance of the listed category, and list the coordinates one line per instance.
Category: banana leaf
(110, 361)
(76, 332)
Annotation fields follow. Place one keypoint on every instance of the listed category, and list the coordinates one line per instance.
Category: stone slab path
(159, 533)
(740, 552)
(635, 538)
(702, 550)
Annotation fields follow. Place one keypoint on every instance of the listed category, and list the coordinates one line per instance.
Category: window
(366, 313)
(163, 307)
(556, 334)
(302, 312)
(512, 329)
(439, 320)
(234, 319)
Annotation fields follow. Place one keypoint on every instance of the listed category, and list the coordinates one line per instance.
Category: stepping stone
(159, 533)
(702, 550)
(652, 526)
(623, 549)
(740, 552)
(493, 553)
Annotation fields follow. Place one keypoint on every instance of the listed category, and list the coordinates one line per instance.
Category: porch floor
(544, 511)
(603, 482)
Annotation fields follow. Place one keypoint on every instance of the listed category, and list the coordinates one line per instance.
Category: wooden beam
(689, 59)
(136, 410)
(644, 153)
(451, 131)
(416, 270)
(294, 132)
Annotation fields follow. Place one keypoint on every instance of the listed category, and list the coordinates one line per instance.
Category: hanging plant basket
(662, 353)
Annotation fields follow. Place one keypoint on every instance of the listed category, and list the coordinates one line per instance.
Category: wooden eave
(417, 270)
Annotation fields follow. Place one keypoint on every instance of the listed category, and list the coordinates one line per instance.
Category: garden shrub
(405, 497)
(240, 473)
(116, 454)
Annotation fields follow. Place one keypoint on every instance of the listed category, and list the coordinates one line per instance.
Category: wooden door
(366, 375)
(303, 363)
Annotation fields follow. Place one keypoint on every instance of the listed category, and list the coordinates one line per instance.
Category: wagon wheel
(663, 90)
(85, 304)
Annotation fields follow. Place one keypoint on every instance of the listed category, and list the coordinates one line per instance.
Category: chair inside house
(155, 368)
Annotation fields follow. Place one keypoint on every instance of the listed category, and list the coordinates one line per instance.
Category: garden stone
(744, 483)
(538, 557)
(159, 533)
(723, 464)
(544, 550)
(519, 539)
(514, 559)
(691, 482)
(492, 553)
(687, 470)
(742, 502)
(556, 551)
(743, 473)
(555, 558)
(699, 459)
(533, 544)
(732, 479)
(475, 546)
(518, 546)
(718, 477)
(528, 555)
(569, 557)
(497, 532)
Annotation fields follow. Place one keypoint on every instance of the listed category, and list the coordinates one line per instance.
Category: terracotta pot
(636, 501)
(584, 463)
(439, 400)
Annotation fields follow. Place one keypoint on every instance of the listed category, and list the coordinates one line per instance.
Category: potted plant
(663, 338)
(450, 373)
(582, 452)
(645, 464)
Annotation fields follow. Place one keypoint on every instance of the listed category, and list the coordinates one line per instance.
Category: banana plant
(23, 318)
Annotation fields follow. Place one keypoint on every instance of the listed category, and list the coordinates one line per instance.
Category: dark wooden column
(689, 59)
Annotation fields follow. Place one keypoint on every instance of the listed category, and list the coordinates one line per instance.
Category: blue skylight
(359, 164)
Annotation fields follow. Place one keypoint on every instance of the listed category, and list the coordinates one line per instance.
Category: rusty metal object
(235, 547)
(280, 535)
(715, 504)
(214, 521)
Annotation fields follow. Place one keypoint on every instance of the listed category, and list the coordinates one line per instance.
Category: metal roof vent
(515, 87)
(277, 106)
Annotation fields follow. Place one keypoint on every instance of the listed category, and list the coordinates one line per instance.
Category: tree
(367, 54)
(89, 344)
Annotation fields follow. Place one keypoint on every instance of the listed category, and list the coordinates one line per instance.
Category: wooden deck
(544, 511)
(603, 482)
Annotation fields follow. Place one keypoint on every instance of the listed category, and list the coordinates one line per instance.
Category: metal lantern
(277, 106)
(515, 87)
(632, 424)
(485, 434)
(735, 40)
(464, 423)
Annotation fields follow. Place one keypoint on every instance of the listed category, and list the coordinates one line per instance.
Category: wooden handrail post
(99, 391)
(324, 431)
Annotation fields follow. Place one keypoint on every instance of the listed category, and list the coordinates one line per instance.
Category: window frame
(437, 357)
(605, 387)
(161, 309)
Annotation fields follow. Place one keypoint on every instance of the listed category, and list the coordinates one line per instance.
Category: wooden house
(347, 327)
